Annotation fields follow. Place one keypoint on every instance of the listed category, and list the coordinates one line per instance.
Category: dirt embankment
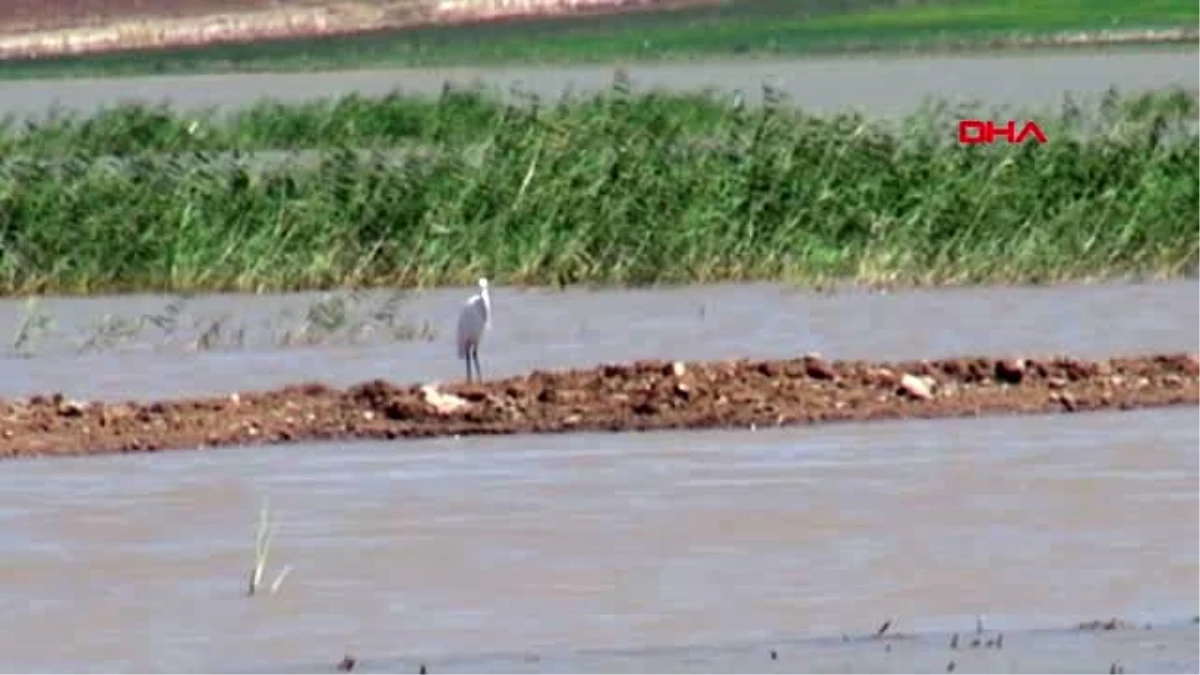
(640, 396)
(33, 28)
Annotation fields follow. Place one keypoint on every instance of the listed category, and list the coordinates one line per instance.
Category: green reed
(626, 189)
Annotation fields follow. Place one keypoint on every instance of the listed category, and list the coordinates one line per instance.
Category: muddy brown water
(878, 85)
(449, 550)
(477, 553)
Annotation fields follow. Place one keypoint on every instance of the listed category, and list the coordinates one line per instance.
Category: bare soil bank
(32, 28)
(640, 396)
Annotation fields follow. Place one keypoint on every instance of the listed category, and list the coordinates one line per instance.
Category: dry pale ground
(31, 28)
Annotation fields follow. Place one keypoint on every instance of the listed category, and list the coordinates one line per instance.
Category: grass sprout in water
(35, 323)
(262, 550)
(334, 318)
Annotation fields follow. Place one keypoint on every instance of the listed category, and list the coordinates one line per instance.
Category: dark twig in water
(954, 643)
(347, 663)
(883, 629)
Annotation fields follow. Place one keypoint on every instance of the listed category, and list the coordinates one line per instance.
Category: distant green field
(745, 28)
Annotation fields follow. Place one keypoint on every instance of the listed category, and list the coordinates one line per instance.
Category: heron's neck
(487, 302)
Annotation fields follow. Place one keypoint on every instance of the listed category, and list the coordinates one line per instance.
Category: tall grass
(629, 191)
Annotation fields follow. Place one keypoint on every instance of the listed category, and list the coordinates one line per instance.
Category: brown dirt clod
(1010, 371)
(638, 396)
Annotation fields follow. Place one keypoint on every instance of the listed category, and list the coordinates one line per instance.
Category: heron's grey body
(473, 322)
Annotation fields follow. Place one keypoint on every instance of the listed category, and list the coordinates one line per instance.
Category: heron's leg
(468, 360)
(478, 371)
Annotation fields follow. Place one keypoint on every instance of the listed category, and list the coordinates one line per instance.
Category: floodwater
(451, 552)
(454, 550)
(254, 344)
(881, 86)
(482, 554)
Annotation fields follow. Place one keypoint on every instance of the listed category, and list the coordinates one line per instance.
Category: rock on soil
(638, 396)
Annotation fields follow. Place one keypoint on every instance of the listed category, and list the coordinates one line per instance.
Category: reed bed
(617, 189)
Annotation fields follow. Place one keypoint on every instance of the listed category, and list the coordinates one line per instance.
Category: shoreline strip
(638, 396)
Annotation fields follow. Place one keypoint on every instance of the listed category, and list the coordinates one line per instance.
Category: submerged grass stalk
(35, 323)
(262, 549)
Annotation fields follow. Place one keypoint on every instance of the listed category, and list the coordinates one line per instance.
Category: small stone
(443, 403)
(235, 399)
(368, 415)
(683, 391)
(1011, 371)
(915, 387)
(71, 408)
(883, 376)
(818, 369)
(1056, 382)
(1067, 399)
(678, 369)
